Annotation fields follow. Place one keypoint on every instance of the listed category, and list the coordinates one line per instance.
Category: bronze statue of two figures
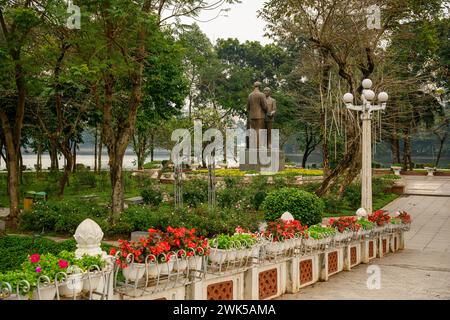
(261, 110)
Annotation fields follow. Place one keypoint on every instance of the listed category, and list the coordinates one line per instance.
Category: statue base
(252, 161)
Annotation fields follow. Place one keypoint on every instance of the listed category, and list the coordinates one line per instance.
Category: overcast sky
(241, 22)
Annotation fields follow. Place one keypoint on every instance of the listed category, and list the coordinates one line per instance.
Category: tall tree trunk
(152, 147)
(395, 148)
(53, 152)
(116, 175)
(100, 151)
(67, 170)
(13, 135)
(349, 163)
(441, 147)
(21, 167)
(74, 160)
(407, 160)
(12, 165)
(95, 149)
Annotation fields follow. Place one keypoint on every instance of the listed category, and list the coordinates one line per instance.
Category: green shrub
(353, 195)
(304, 206)
(195, 192)
(62, 216)
(333, 203)
(152, 196)
(152, 165)
(141, 218)
(86, 178)
(229, 197)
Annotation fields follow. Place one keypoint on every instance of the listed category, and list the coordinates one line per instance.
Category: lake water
(86, 157)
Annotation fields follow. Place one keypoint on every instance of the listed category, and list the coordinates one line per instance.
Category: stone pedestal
(253, 162)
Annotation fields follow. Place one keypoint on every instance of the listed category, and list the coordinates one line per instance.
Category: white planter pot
(195, 263)
(91, 283)
(166, 267)
(73, 286)
(180, 265)
(255, 251)
(134, 272)
(218, 256)
(163, 268)
(242, 254)
(275, 247)
(311, 242)
(45, 293)
(232, 255)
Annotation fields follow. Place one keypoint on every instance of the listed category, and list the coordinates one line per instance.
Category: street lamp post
(366, 109)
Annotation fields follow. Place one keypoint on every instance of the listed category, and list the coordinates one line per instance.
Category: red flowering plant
(404, 217)
(126, 251)
(161, 246)
(345, 224)
(380, 218)
(281, 230)
(186, 242)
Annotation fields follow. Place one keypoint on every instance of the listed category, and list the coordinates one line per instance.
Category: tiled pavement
(430, 230)
(421, 271)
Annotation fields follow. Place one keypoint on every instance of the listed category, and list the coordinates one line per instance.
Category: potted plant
(280, 234)
(246, 244)
(73, 284)
(92, 266)
(366, 226)
(43, 270)
(188, 246)
(346, 226)
(130, 259)
(380, 219)
(317, 235)
(158, 252)
(20, 284)
(220, 251)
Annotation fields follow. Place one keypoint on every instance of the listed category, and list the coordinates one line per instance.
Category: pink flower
(38, 269)
(35, 258)
(63, 264)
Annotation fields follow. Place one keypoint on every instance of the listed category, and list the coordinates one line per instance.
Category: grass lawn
(81, 184)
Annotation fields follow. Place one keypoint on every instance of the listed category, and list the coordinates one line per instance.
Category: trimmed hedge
(304, 206)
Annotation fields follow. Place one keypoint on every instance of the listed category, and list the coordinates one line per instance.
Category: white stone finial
(361, 213)
(89, 236)
(287, 216)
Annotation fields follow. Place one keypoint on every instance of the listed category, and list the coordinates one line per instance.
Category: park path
(421, 271)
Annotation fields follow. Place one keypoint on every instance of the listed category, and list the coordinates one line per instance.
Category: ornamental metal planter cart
(158, 277)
